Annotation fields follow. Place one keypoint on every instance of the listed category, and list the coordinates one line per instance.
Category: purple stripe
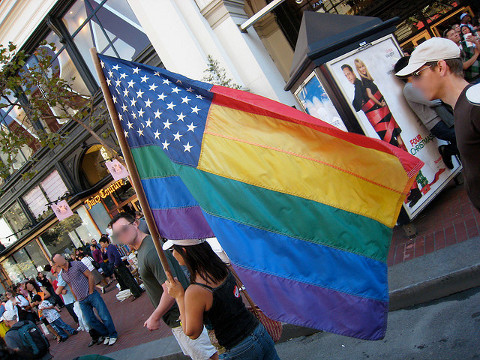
(182, 223)
(315, 307)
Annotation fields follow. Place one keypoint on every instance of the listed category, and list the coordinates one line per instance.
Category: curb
(437, 288)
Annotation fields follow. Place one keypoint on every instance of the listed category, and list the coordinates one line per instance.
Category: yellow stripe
(301, 162)
(302, 141)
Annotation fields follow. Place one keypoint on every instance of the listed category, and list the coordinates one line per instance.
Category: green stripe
(277, 212)
(152, 162)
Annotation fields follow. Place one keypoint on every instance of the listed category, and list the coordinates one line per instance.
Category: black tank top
(228, 316)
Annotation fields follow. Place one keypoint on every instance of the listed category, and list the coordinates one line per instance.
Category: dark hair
(346, 66)
(455, 66)
(202, 260)
(34, 284)
(402, 63)
(447, 30)
(104, 239)
(123, 215)
(47, 267)
(36, 298)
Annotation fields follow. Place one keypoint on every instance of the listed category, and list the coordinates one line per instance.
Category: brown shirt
(467, 129)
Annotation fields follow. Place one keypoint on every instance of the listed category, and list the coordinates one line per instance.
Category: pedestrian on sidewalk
(82, 283)
(53, 317)
(213, 297)
(125, 229)
(437, 71)
(123, 275)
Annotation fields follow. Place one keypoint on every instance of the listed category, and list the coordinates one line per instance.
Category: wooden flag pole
(132, 169)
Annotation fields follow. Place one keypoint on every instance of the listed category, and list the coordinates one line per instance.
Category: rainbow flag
(304, 211)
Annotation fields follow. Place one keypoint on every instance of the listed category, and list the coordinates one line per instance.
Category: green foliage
(43, 99)
(215, 74)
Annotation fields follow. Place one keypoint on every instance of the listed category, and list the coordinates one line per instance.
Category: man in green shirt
(125, 230)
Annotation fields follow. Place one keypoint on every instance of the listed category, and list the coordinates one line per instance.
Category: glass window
(89, 230)
(53, 186)
(12, 270)
(50, 189)
(125, 192)
(36, 254)
(111, 27)
(61, 66)
(17, 219)
(25, 264)
(36, 201)
(100, 216)
(7, 236)
(13, 119)
(68, 234)
(93, 164)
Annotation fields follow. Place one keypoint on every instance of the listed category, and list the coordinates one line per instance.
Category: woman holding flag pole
(213, 297)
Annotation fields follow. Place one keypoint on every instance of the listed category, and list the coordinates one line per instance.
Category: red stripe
(255, 104)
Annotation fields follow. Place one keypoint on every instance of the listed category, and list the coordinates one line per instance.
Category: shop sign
(102, 194)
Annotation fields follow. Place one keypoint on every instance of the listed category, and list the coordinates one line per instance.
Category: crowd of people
(201, 294)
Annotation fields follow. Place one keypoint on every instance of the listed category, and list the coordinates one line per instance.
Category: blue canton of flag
(156, 109)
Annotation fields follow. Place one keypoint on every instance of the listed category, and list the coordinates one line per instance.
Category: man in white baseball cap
(437, 71)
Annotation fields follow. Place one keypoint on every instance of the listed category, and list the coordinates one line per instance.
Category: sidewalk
(417, 266)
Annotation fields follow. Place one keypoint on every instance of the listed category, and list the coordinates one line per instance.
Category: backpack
(32, 338)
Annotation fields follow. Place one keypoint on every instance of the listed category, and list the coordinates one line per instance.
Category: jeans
(104, 327)
(443, 132)
(256, 346)
(69, 308)
(62, 328)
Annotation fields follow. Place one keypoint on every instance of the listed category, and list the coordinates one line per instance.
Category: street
(446, 329)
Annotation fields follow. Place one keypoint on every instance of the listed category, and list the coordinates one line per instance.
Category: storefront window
(88, 231)
(100, 216)
(13, 270)
(68, 234)
(36, 254)
(110, 26)
(17, 219)
(25, 264)
(124, 193)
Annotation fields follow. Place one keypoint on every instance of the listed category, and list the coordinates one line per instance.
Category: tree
(31, 85)
(215, 74)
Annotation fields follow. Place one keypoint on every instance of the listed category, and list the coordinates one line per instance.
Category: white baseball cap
(432, 50)
(186, 242)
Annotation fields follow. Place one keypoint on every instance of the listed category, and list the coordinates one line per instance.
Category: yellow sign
(102, 194)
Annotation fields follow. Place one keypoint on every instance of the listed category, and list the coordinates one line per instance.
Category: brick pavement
(449, 219)
(128, 317)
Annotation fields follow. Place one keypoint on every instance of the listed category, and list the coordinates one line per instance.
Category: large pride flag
(304, 211)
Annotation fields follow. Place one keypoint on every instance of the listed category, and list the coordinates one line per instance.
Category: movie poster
(366, 78)
(315, 102)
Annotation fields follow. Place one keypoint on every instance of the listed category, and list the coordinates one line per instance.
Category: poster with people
(315, 101)
(366, 78)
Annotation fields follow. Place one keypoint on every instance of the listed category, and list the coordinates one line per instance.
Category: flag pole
(132, 169)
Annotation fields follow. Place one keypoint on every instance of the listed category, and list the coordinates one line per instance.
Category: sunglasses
(122, 230)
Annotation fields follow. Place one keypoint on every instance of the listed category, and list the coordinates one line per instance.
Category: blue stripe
(168, 192)
(299, 260)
